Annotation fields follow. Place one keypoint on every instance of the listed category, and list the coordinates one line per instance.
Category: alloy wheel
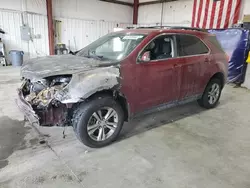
(102, 124)
(214, 93)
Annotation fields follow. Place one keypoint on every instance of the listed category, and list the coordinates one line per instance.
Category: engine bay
(41, 96)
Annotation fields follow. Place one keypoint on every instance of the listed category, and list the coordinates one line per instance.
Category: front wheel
(98, 122)
(211, 95)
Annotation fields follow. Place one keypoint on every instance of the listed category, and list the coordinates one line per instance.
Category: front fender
(83, 85)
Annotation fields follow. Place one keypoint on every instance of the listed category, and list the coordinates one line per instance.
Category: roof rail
(173, 27)
(188, 28)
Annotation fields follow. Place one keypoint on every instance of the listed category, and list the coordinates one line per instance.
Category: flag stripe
(199, 13)
(212, 15)
(229, 9)
(220, 14)
(202, 14)
(216, 16)
(231, 20)
(224, 14)
(194, 11)
(237, 11)
(215, 13)
(205, 14)
(209, 14)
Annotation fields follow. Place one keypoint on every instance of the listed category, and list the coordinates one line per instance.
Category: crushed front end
(36, 99)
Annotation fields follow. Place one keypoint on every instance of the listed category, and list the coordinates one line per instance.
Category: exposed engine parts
(44, 98)
(40, 95)
(38, 86)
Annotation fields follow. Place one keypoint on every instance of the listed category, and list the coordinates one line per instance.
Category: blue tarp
(234, 42)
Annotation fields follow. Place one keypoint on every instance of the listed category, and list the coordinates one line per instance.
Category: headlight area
(40, 95)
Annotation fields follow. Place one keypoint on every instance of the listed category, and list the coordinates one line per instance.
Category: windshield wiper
(93, 56)
(98, 57)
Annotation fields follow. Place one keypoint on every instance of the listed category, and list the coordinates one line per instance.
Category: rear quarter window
(213, 40)
(189, 45)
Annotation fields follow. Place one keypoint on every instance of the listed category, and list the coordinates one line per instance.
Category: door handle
(176, 65)
(207, 60)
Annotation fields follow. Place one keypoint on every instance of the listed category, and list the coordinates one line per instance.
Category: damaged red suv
(121, 75)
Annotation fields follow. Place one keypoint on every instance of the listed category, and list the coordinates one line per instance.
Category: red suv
(121, 75)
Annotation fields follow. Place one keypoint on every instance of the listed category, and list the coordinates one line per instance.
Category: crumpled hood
(57, 65)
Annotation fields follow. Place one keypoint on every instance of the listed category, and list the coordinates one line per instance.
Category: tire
(83, 116)
(205, 101)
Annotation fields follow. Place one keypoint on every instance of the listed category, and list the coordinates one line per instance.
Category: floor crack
(62, 161)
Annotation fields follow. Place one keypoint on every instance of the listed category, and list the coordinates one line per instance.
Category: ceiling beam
(140, 4)
(119, 2)
(155, 2)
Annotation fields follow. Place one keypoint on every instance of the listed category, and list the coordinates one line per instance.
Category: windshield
(115, 46)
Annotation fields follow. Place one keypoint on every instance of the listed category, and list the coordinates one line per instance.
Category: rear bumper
(26, 108)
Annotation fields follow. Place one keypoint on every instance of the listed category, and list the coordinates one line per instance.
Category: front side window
(115, 46)
(160, 48)
(190, 45)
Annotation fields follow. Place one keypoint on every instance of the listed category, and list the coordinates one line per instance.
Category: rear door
(193, 55)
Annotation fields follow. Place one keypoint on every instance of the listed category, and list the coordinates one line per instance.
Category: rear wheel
(98, 122)
(211, 95)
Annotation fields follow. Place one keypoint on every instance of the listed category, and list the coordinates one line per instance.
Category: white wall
(35, 6)
(11, 14)
(84, 20)
(77, 33)
(245, 8)
(83, 9)
(174, 13)
(92, 10)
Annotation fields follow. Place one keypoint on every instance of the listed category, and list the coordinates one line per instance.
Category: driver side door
(158, 77)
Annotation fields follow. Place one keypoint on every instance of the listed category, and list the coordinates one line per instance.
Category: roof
(158, 29)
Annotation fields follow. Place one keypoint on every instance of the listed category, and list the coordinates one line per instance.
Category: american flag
(215, 14)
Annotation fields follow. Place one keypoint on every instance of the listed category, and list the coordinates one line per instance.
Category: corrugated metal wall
(39, 24)
(175, 13)
(77, 33)
(11, 21)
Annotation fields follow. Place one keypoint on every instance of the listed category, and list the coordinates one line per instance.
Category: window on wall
(190, 45)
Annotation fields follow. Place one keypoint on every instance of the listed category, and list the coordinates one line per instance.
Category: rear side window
(215, 43)
(190, 45)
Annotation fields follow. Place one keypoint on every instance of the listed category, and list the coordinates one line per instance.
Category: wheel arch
(117, 95)
(220, 76)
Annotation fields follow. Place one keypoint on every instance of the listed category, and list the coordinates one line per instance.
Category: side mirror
(145, 56)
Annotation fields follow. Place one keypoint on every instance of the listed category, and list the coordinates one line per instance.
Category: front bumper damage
(26, 108)
(51, 113)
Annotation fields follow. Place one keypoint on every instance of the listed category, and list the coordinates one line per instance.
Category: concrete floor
(178, 148)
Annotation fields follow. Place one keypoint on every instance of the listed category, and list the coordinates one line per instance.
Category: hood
(58, 65)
